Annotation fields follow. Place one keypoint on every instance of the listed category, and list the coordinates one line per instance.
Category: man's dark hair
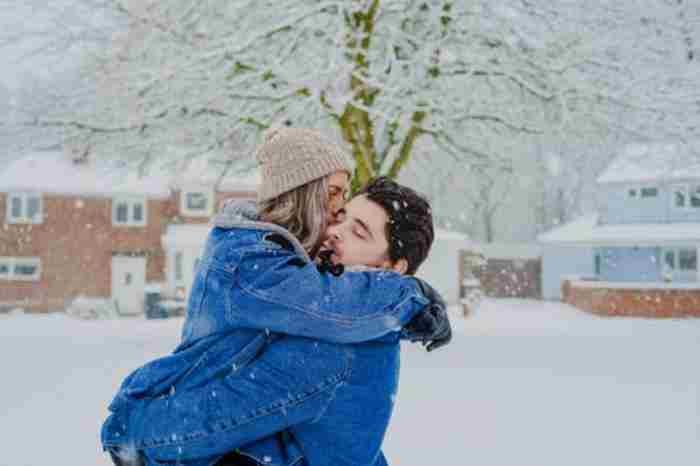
(410, 228)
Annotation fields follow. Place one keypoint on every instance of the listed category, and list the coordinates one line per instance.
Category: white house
(646, 229)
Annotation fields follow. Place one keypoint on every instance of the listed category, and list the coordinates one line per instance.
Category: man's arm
(277, 290)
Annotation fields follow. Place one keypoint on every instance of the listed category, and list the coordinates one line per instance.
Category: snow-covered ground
(524, 383)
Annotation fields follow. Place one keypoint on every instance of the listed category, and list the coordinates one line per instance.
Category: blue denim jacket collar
(244, 214)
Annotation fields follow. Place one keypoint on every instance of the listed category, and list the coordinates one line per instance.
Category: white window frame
(686, 192)
(187, 212)
(12, 263)
(131, 202)
(24, 199)
(694, 188)
(676, 271)
(641, 192)
(7, 261)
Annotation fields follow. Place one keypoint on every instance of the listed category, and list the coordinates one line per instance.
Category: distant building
(510, 270)
(74, 228)
(641, 245)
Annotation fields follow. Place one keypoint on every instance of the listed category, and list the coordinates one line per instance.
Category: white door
(129, 283)
(183, 263)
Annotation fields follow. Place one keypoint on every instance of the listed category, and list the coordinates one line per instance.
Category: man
(385, 226)
(322, 393)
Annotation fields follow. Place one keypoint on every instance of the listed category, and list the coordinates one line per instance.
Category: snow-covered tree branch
(194, 78)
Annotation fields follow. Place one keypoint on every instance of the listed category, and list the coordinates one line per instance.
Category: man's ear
(400, 266)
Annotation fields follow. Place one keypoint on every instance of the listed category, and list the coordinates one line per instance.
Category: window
(680, 197)
(682, 259)
(632, 192)
(20, 268)
(650, 192)
(24, 208)
(695, 197)
(196, 203)
(685, 197)
(670, 259)
(598, 263)
(129, 212)
(688, 260)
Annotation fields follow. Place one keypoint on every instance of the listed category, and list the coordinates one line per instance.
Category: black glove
(430, 326)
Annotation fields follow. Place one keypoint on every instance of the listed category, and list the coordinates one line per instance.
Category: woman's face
(359, 235)
(338, 187)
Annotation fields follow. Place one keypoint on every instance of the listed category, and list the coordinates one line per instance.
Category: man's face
(359, 236)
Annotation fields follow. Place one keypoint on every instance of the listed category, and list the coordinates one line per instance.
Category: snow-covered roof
(56, 173)
(657, 161)
(53, 172)
(186, 235)
(587, 231)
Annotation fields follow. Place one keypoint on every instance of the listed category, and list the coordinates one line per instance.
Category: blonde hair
(303, 211)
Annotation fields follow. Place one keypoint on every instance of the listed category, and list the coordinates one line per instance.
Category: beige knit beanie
(292, 157)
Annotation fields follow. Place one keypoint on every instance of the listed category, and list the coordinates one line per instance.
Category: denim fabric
(217, 392)
(351, 428)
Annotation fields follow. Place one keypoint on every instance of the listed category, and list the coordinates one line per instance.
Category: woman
(256, 280)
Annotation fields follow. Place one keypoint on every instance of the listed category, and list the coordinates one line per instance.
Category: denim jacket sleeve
(275, 289)
(250, 402)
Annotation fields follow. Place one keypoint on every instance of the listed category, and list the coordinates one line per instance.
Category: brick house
(71, 228)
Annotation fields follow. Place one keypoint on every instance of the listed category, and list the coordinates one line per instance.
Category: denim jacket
(254, 282)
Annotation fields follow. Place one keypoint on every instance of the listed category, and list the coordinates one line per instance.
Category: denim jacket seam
(330, 383)
(396, 309)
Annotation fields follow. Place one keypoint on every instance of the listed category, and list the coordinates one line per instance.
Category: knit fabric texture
(292, 157)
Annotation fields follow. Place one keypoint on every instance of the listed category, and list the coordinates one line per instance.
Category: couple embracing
(290, 348)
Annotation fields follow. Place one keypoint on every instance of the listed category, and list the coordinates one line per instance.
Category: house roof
(53, 172)
(654, 161)
(587, 231)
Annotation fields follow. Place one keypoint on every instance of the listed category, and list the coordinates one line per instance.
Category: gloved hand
(431, 326)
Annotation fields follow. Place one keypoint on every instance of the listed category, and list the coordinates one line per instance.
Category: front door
(128, 283)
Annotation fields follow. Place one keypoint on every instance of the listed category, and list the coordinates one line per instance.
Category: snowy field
(524, 383)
